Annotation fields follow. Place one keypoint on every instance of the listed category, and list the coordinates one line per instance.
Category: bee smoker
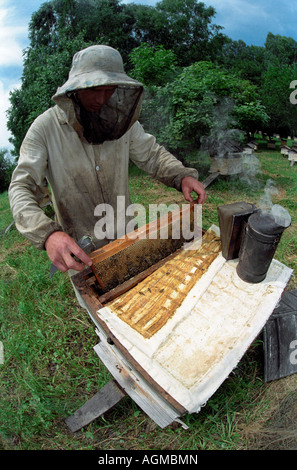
(232, 220)
(261, 238)
(252, 235)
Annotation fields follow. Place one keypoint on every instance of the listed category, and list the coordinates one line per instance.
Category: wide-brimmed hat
(96, 65)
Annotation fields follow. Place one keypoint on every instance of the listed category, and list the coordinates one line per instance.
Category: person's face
(92, 99)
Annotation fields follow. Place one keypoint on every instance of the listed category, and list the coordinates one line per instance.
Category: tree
(245, 60)
(183, 26)
(275, 95)
(43, 25)
(94, 20)
(190, 32)
(153, 65)
(201, 98)
(6, 169)
(280, 50)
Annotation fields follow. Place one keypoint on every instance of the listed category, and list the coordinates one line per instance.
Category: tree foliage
(275, 92)
(280, 50)
(153, 65)
(245, 60)
(93, 19)
(6, 169)
(182, 26)
(202, 97)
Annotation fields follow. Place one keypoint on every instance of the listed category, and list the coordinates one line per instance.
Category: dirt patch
(276, 428)
(292, 285)
(19, 247)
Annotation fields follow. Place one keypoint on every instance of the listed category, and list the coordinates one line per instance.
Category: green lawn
(50, 367)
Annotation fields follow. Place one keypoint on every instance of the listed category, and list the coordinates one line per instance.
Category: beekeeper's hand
(190, 184)
(61, 249)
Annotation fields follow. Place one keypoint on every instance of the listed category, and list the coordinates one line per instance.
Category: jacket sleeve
(26, 189)
(155, 160)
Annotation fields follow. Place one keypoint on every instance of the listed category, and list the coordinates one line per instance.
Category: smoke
(223, 140)
(280, 214)
(223, 135)
(251, 170)
(270, 191)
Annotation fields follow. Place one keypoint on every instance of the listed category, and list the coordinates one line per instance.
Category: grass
(50, 368)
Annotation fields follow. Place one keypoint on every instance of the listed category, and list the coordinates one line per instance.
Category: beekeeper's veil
(95, 66)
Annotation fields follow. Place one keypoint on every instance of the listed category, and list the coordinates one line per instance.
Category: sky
(249, 20)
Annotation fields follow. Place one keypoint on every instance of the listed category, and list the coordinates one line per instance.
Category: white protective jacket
(85, 170)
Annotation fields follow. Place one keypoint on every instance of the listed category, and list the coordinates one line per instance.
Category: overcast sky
(249, 20)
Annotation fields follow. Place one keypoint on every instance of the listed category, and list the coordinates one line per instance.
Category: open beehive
(173, 316)
(123, 263)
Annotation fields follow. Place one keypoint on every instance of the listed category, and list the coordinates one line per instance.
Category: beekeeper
(82, 147)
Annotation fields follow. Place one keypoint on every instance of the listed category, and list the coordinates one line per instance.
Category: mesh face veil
(98, 66)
